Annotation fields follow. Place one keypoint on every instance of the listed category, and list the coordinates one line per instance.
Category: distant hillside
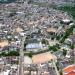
(69, 9)
(7, 1)
(57, 2)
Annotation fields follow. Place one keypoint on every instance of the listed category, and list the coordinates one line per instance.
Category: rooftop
(51, 29)
(3, 43)
(70, 70)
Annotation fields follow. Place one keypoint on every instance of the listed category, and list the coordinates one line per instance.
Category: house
(1, 64)
(52, 32)
(4, 43)
(70, 70)
(18, 30)
(66, 21)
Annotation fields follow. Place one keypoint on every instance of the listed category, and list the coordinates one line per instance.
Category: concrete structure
(35, 47)
(1, 65)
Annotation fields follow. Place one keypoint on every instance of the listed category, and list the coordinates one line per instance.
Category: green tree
(13, 53)
(64, 52)
(54, 48)
(30, 54)
(72, 54)
(68, 32)
(44, 41)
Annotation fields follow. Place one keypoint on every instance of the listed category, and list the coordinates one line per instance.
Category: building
(35, 45)
(18, 30)
(1, 65)
(66, 21)
(52, 32)
(70, 70)
(4, 43)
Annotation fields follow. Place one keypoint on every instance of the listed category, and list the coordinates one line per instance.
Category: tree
(57, 37)
(72, 53)
(13, 53)
(30, 1)
(44, 41)
(3, 54)
(30, 54)
(68, 32)
(54, 48)
(64, 52)
(72, 46)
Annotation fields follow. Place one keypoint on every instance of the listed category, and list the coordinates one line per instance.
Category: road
(21, 72)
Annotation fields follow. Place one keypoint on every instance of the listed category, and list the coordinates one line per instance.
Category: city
(37, 37)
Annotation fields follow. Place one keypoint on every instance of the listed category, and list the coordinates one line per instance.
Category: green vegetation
(54, 48)
(72, 46)
(68, 32)
(11, 53)
(45, 42)
(59, 36)
(69, 9)
(44, 4)
(7, 1)
(30, 54)
(3, 54)
(64, 52)
(30, 1)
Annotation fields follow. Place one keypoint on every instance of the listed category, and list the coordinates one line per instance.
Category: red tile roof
(70, 70)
